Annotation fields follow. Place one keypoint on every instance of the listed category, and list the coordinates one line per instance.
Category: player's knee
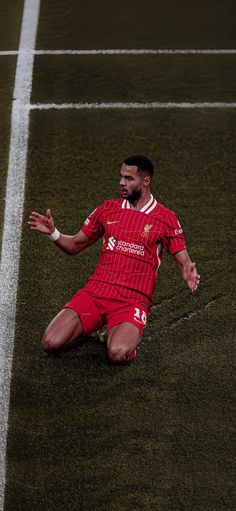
(118, 354)
(48, 343)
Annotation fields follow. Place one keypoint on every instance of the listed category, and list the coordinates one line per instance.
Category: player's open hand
(41, 223)
(192, 277)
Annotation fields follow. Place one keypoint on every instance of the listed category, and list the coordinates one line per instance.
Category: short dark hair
(143, 163)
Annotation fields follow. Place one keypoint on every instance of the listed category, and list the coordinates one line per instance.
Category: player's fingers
(36, 215)
(34, 228)
(195, 286)
(40, 219)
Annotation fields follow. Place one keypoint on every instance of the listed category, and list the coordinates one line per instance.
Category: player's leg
(62, 331)
(80, 316)
(125, 325)
(122, 342)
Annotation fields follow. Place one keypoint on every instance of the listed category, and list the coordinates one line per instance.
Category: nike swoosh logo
(115, 222)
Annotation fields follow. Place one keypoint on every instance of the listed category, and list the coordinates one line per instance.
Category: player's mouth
(123, 192)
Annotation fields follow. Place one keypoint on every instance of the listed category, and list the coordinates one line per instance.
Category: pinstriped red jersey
(133, 243)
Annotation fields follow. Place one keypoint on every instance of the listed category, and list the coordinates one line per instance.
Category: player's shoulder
(162, 211)
(165, 216)
(112, 204)
(105, 207)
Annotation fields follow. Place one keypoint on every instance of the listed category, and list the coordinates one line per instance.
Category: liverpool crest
(146, 230)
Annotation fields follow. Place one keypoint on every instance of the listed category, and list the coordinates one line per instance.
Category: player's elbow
(75, 248)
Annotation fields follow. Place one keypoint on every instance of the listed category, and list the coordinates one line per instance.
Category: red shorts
(95, 311)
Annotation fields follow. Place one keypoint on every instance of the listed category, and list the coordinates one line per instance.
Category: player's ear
(147, 180)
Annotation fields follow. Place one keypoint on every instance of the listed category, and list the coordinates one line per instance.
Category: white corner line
(11, 238)
(125, 106)
(124, 51)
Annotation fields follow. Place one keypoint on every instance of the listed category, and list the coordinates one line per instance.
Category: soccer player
(135, 229)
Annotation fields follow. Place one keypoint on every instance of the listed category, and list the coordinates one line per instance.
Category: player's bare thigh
(63, 330)
(122, 341)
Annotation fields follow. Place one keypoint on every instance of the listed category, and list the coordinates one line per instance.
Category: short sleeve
(173, 239)
(93, 225)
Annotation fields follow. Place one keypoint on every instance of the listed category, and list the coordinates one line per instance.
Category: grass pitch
(157, 435)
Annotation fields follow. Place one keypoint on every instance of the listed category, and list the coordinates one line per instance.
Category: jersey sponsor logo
(111, 243)
(124, 246)
(130, 248)
(146, 230)
(109, 222)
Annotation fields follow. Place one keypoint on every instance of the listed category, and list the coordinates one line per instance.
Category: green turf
(135, 24)
(141, 78)
(158, 435)
(7, 74)
(10, 24)
(155, 436)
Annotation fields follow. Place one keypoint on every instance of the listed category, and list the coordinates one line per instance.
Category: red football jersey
(133, 243)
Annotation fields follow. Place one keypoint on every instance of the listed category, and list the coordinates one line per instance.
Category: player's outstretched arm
(72, 245)
(188, 270)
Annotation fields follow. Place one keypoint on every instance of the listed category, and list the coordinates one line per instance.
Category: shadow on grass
(89, 350)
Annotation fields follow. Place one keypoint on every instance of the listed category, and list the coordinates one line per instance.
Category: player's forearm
(68, 244)
(71, 245)
(183, 262)
(188, 270)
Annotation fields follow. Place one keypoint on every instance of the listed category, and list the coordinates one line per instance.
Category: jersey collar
(147, 208)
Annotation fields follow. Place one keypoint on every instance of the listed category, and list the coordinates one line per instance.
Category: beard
(133, 196)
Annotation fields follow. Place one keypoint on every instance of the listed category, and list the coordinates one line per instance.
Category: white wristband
(55, 235)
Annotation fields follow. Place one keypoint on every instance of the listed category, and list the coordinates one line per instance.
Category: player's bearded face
(134, 194)
(131, 183)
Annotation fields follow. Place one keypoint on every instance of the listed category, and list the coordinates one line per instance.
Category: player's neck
(141, 202)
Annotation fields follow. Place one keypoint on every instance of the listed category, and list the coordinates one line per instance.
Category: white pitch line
(123, 52)
(125, 106)
(10, 255)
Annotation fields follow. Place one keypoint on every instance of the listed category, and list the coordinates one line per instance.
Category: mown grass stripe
(10, 254)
